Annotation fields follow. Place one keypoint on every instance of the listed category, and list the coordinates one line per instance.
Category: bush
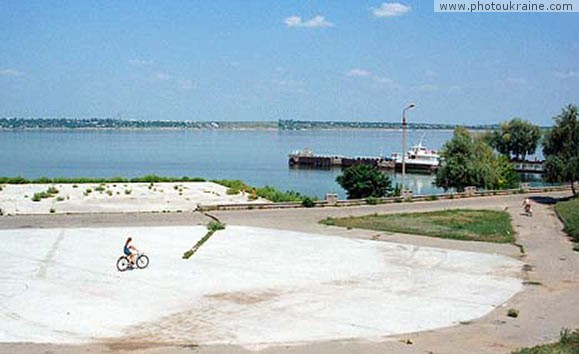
(372, 201)
(363, 181)
(37, 197)
(276, 196)
(52, 190)
(59, 199)
(308, 202)
(128, 191)
(52, 211)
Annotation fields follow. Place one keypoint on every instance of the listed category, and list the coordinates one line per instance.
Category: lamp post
(410, 106)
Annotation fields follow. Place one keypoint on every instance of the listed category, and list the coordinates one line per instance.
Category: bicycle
(141, 261)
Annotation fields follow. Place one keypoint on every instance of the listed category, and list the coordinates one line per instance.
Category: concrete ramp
(247, 286)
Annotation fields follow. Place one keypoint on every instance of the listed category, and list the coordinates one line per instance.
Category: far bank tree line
(483, 160)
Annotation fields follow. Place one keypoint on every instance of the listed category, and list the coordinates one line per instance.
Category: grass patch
(268, 192)
(568, 344)
(459, 224)
(569, 212)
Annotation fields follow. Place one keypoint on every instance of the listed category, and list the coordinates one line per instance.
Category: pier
(307, 159)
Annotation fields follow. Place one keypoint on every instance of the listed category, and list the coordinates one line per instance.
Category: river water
(258, 157)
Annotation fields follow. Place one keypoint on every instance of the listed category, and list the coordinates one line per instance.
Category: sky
(240, 60)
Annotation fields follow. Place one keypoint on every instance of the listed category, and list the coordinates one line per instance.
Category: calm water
(257, 157)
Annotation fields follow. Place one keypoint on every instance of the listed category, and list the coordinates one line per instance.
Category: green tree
(561, 148)
(363, 181)
(470, 161)
(517, 138)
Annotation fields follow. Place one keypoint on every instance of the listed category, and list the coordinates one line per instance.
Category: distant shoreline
(227, 129)
(280, 125)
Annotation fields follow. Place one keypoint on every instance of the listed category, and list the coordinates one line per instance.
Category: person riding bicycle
(527, 206)
(130, 250)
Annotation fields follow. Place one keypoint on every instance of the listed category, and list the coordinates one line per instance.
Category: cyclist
(527, 206)
(130, 250)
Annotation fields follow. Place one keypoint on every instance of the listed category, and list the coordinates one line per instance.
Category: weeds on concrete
(49, 193)
(212, 228)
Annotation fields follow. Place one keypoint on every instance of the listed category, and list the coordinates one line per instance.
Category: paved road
(548, 303)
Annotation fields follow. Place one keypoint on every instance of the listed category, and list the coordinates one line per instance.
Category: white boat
(418, 157)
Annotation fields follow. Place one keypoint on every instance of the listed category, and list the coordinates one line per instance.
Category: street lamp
(410, 106)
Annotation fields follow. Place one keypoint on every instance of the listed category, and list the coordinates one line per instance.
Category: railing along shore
(471, 193)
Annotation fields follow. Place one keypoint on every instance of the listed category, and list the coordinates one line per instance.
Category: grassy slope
(569, 212)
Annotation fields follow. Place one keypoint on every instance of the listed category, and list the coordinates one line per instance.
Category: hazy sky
(266, 60)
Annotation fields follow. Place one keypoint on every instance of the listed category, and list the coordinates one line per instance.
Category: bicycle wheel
(122, 263)
(142, 261)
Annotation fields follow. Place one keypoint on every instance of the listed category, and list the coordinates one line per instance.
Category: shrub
(37, 197)
(371, 200)
(59, 199)
(52, 190)
(276, 196)
(128, 191)
(75, 186)
(363, 181)
(52, 211)
(110, 193)
(101, 188)
(308, 202)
